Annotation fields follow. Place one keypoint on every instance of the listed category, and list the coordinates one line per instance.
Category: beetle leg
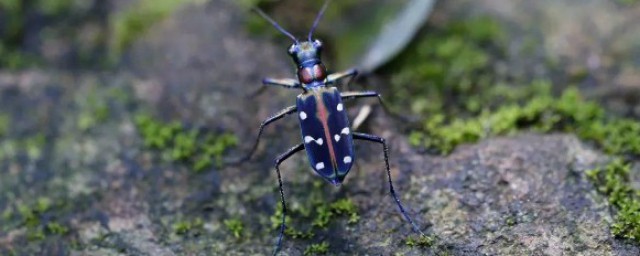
(370, 94)
(288, 83)
(282, 113)
(364, 94)
(351, 74)
(284, 156)
(373, 138)
(361, 94)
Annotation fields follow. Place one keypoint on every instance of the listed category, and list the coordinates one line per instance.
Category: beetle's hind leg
(373, 138)
(278, 161)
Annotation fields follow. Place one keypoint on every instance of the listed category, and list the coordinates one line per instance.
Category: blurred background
(117, 118)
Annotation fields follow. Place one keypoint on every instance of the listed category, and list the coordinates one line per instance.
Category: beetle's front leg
(371, 94)
(360, 94)
(288, 83)
(364, 94)
(351, 74)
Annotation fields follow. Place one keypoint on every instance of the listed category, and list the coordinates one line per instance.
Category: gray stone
(521, 195)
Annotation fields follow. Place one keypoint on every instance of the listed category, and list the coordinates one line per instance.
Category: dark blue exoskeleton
(324, 124)
(325, 132)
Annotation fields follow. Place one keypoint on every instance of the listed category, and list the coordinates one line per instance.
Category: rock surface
(522, 195)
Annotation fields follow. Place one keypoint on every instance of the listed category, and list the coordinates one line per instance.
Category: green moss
(613, 181)
(316, 249)
(448, 66)
(57, 229)
(420, 241)
(510, 221)
(33, 145)
(449, 78)
(627, 2)
(4, 124)
(619, 136)
(156, 134)
(324, 214)
(7, 214)
(10, 5)
(184, 145)
(276, 220)
(345, 207)
(35, 234)
(43, 204)
(17, 15)
(185, 227)
(448, 75)
(234, 226)
(199, 150)
(53, 7)
(214, 147)
(12, 29)
(95, 113)
(627, 222)
(542, 113)
(29, 216)
(39, 219)
(298, 234)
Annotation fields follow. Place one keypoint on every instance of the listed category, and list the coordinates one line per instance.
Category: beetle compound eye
(319, 72)
(292, 49)
(305, 75)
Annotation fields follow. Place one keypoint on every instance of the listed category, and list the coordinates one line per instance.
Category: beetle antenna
(275, 24)
(320, 14)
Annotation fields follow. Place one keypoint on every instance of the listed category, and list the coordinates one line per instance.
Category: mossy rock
(103, 163)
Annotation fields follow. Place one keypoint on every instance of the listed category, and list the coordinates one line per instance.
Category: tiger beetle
(326, 136)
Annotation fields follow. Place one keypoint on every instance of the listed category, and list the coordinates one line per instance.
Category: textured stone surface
(522, 195)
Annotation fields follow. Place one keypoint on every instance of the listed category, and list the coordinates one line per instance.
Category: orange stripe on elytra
(324, 119)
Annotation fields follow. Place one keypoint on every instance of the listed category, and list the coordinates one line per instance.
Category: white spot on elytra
(320, 166)
(303, 115)
(340, 107)
(347, 159)
(337, 137)
(345, 131)
(308, 139)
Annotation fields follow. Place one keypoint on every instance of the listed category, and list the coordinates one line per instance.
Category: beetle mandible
(324, 124)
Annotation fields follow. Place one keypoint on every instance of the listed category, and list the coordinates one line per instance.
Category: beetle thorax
(306, 56)
(312, 74)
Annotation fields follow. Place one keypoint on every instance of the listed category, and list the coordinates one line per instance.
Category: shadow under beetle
(326, 134)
